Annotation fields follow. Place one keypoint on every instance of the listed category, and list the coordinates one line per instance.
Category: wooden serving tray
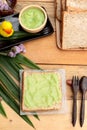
(60, 6)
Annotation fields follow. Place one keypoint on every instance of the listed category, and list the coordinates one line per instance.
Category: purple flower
(6, 7)
(2, 7)
(22, 48)
(11, 54)
(16, 49)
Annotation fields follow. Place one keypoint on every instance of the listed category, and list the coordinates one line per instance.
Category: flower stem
(3, 53)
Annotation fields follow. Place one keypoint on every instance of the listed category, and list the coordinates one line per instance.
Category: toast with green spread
(41, 91)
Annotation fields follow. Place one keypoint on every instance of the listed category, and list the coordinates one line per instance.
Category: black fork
(75, 88)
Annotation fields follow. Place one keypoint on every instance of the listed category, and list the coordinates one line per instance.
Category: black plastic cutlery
(83, 88)
(75, 88)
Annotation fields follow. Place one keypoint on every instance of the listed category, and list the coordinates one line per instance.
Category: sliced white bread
(74, 34)
(76, 4)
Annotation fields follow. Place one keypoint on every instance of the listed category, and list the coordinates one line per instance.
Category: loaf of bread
(41, 91)
(76, 4)
(74, 33)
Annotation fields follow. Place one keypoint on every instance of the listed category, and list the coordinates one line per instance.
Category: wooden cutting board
(60, 7)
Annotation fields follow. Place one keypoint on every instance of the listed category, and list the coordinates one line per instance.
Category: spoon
(83, 87)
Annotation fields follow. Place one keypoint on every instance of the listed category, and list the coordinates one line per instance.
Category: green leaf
(17, 35)
(13, 104)
(25, 61)
(9, 83)
(9, 64)
(36, 116)
(2, 111)
(12, 65)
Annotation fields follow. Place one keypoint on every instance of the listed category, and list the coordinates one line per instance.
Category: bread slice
(69, 9)
(77, 4)
(74, 33)
(41, 91)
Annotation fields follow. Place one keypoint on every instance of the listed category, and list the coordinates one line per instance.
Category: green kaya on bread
(41, 91)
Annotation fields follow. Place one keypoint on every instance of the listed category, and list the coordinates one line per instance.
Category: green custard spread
(32, 18)
(42, 90)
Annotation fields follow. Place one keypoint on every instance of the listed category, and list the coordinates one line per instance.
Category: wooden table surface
(46, 54)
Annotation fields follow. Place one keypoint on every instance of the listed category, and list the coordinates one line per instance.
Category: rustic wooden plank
(49, 6)
(58, 9)
(15, 122)
(45, 50)
(48, 51)
(58, 121)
